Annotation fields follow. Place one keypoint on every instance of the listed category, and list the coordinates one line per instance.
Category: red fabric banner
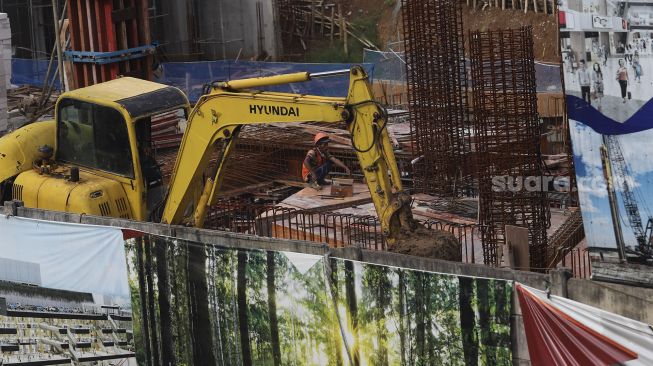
(554, 338)
(130, 234)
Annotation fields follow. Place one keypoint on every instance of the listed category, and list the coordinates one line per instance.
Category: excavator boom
(219, 115)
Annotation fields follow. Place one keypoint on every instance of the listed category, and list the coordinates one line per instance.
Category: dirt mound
(427, 243)
(545, 26)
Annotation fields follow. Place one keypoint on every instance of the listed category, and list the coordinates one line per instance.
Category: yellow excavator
(95, 157)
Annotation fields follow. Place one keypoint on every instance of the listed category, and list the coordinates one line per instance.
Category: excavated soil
(427, 243)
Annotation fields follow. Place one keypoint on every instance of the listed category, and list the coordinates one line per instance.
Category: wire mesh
(334, 228)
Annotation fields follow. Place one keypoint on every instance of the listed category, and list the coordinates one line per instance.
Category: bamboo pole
(311, 19)
(57, 31)
(340, 22)
(322, 22)
(333, 23)
(343, 30)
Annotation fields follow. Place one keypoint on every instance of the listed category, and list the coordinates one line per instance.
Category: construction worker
(317, 163)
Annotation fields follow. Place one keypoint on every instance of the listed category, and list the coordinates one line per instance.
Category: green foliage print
(335, 312)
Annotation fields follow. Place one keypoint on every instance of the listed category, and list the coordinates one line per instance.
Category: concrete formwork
(209, 30)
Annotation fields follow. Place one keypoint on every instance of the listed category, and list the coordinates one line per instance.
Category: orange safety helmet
(319, 137)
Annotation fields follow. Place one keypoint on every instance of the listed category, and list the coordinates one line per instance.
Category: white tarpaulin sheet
(72, 257)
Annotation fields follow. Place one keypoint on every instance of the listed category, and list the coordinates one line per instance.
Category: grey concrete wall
(218, 29)
(635, 303)
(631, 302)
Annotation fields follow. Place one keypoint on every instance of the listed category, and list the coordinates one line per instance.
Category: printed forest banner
(197, 304)
(608, 82)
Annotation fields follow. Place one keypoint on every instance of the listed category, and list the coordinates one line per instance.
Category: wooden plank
(310, 198)
(107, 7)
(68, 73)
(508, 257)
(121, 36)
(247, 189)
(101, 37)
(145, 38)
(517, 239)
(92, 33)
(134, 41)
(78, 28)
(292, 183)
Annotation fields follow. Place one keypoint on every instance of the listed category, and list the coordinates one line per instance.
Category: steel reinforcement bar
(437, 95)
(506, 140)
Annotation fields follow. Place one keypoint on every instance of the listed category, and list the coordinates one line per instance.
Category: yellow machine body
(218, 117)
(100, 190)
(20, 148)
(99, 130)
(91, 195)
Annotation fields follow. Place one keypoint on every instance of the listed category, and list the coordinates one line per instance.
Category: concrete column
(176, 27)
(559, 278)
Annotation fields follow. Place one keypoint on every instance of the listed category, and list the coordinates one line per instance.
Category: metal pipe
(326, 74)
(265, 81)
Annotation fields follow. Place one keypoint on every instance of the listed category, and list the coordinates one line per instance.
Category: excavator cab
(102, 162)
(93, 136)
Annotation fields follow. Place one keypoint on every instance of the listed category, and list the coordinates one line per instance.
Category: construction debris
(304, 20)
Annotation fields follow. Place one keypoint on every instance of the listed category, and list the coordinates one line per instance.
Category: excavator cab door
(152, 175)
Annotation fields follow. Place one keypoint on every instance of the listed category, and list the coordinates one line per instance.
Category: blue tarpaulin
(192, 76)
(30, 72)
(581, 111)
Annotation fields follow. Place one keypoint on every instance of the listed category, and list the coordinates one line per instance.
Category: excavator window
(93, 136)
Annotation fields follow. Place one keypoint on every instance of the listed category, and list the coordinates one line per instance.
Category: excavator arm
(220, 114)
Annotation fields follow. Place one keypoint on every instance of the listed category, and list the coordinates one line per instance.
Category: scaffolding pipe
(57, 30)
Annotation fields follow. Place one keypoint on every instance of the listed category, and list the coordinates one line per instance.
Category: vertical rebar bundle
(437, 94)
(507, 147)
